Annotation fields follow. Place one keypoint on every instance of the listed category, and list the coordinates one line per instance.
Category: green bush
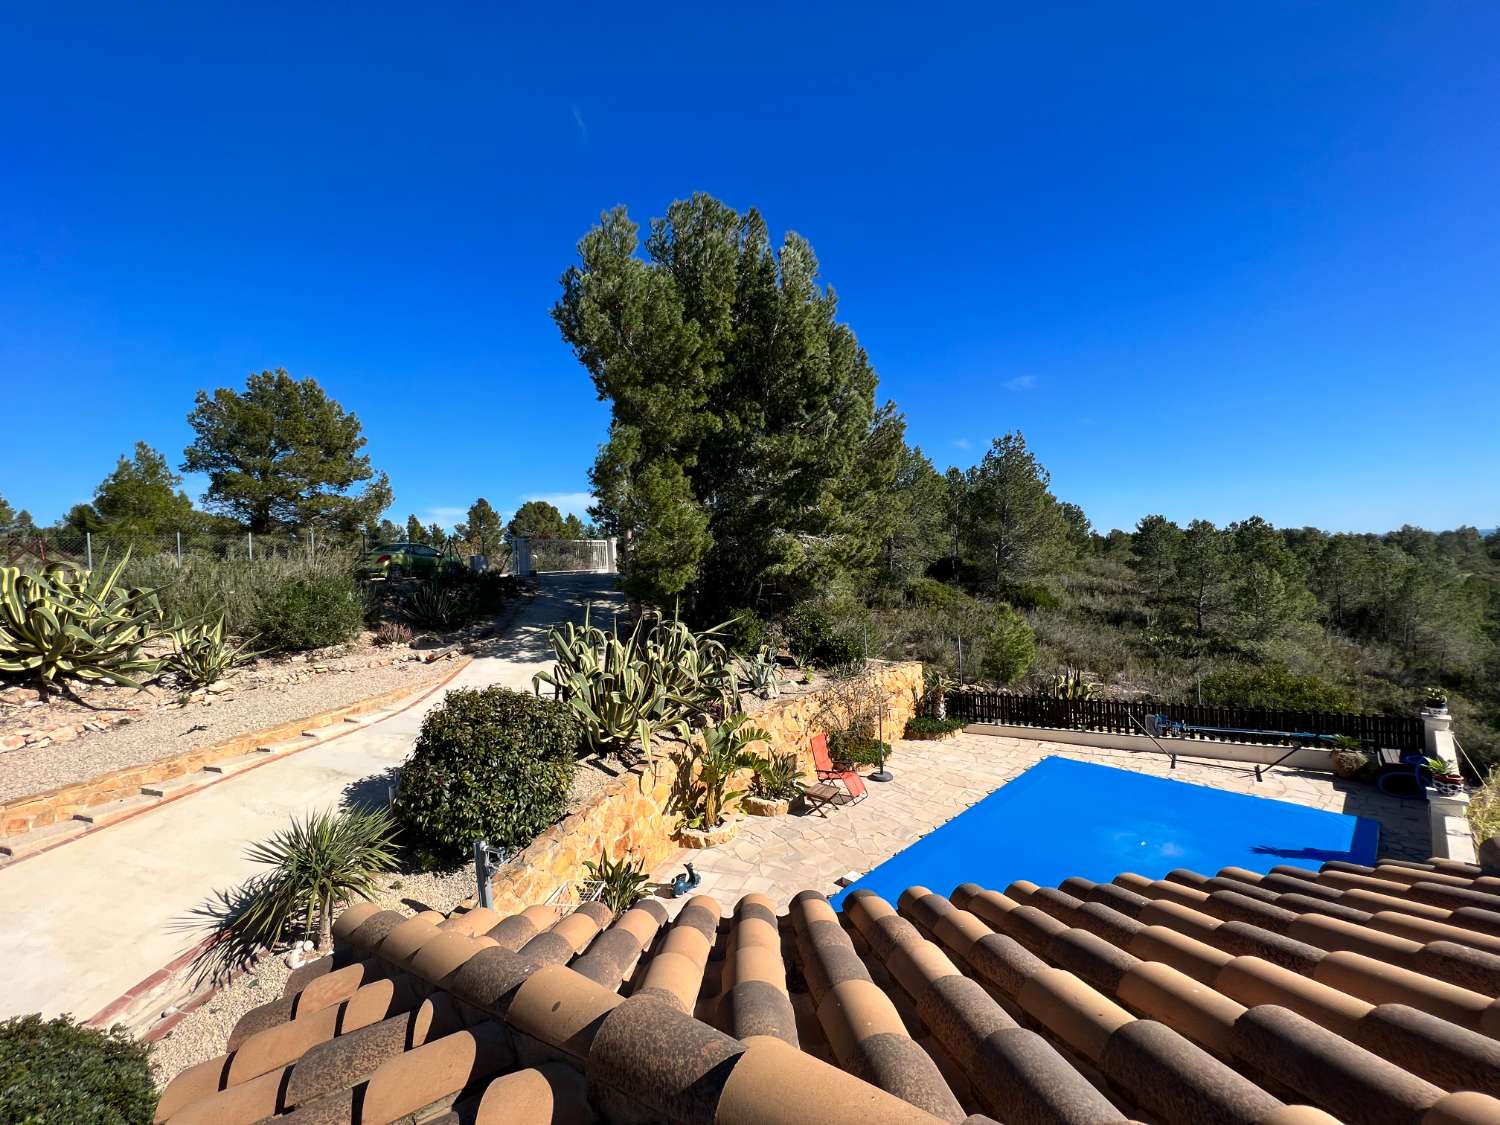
(848, 749)
(931, 593)
(1028, 595)
(490, 764)
(304, 613)
(1009, 646)
(921, 728)
(59, 1071)
(815, 636)
(1273, 686)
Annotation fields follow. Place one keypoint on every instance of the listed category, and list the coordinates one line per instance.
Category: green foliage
(281, 453)
(58, 1071)
(439, 604)
(1028, 595)
(482, 530)
(1484, 807)
(747, 462)
(142, 498)
(1273, 686)
(776, 777)
(201, 653)
(316, 865)
(848, 749)
(1011, 520)
(921, 727)
(1071, 684)
(7, 514)
(622, 882)
(816, 636)
(537, 519)
(660, 676)
(759, 673)
(705, 775)
(1009, 646)
(929, 593)
(72, 624)
(312, 612)
(489, 764)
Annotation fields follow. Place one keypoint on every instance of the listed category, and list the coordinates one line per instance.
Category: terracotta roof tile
(1360, 994)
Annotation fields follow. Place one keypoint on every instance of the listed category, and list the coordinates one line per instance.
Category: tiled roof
(1363, 995)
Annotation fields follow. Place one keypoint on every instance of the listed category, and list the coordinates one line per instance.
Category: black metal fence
(1188, 720)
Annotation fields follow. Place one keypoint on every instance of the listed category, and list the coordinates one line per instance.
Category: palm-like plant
(317, 864)
(706, 792)
(622, 882)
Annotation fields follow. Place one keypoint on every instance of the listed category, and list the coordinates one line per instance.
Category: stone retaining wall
(630, 816)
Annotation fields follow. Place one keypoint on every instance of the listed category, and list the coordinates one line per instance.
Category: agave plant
(759, 673)
(1070, 684)
(622, 882)
(658, 677)
(201, 654)
(705, 792)
(69, 623)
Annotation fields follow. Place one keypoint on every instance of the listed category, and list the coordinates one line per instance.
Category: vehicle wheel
(394, 573)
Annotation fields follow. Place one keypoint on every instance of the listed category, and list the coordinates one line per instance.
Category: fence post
(179, 548)
(250, 545)
(88, 548)
(309, 545)
(960, 638)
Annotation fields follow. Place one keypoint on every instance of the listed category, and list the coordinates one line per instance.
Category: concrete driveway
(89, 920)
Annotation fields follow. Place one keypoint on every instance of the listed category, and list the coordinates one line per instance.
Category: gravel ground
(162, 734)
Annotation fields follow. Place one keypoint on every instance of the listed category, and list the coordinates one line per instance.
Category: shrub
(932, 594)
(490, 764)
(1484, 807)
(1273, 686)
(309, 612)
(59, 1071)
(814, 635)
(921, 728)
(848, 749)
(705, 773)
(1009, 646)
(1028, 595)
(439, 605)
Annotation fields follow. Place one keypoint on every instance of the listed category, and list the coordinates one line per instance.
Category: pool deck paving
(935, 781)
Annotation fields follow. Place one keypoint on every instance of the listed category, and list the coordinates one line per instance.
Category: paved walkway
(935, 781)
(89, 920)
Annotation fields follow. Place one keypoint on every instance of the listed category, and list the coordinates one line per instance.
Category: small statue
(685, 882)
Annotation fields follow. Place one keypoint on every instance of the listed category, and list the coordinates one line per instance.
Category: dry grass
(1484, 807)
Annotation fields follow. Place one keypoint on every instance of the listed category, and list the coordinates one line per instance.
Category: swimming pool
(1062, 818)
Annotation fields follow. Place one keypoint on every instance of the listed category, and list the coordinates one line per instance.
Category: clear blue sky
(1214, 260)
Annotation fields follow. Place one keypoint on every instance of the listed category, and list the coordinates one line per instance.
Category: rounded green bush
(57, 1070)
(304, 613)
(1009, 646)
(1273, 686)
(490, 764)
(815, 636)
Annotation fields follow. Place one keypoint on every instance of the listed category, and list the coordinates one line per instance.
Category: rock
(218, 687)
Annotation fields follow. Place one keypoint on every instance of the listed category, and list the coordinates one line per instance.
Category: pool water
(1063, 818)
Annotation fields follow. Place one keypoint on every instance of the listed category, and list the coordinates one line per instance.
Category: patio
(935, 781)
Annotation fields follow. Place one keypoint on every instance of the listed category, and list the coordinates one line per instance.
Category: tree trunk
(325, 926)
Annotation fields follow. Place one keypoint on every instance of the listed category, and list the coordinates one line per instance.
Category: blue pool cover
(1062, 818)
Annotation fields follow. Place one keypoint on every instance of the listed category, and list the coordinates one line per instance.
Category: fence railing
(1187, 720)
(50, 545)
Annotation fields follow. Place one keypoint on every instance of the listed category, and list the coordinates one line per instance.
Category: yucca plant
(436, 605)
(317, 864)
(201, 653)
(73, 624)
(622, 882)
(705, 791)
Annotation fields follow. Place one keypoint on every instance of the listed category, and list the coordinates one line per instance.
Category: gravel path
(162, 734)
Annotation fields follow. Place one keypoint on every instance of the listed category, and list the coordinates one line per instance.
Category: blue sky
(1214, 260)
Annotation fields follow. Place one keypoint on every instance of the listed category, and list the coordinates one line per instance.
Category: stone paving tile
(935, 781)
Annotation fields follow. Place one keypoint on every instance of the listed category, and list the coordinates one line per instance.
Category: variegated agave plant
(659, 677)
(69, 623)
(201, 653)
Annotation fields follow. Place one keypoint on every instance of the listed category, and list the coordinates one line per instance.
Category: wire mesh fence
(36, 548)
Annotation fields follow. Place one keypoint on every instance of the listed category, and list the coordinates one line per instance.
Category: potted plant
(774, 786)
(703, 795)
(1435, 698)
(618, 883)
(856, 749)
(1446, 779)
(1348, 758)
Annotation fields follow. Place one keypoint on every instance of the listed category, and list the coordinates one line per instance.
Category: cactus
(72, 624)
